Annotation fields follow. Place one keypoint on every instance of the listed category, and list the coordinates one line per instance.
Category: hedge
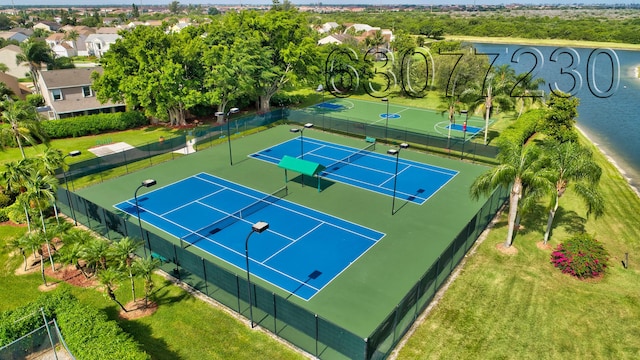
(87, 331)
(523, 128)
(93, 124)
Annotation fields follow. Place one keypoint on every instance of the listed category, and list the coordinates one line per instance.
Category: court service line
(307, 215)
(294, 241)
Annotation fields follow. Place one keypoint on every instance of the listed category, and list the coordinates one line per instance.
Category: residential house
(60, 45)
(328, 27)
(13, 35)
(8, 56)
(50, 26)
(68, 93)
(98, 44)
(25, 31)
(13, 84)
(179, 26)
(338, 39)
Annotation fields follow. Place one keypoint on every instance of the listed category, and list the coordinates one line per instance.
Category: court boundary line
(261, 263)
(356, 182)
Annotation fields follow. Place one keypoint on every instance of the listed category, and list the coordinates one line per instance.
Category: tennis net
(232, 218)
(351, 158)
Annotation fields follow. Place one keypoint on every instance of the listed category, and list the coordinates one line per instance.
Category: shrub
(86, 330)
(5, 200)
(93, 124)
(521, 130)
(581, 256)
(35, 100)
(3, 215)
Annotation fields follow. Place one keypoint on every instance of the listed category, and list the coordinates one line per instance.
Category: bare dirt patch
(542, 246)
(136, 309)
(511, 250)
(11, 223)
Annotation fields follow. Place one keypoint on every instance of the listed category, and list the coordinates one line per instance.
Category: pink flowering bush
(581, 256)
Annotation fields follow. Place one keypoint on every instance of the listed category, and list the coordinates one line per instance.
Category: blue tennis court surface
(416, 182)
(329, 106)
(302, 251)
(470, 129)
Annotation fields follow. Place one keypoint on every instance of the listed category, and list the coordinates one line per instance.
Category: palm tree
(15, 175)
(572, 164)
(144, 267)
(74, 245)
(95, 253)
(20, 244)
(519, 165)
(35, 52)
(51, 160)
(123, 252)
(72, 36)
(41, 194)
(24, 123)
(498, 85)
(528, 87)
(110, 278)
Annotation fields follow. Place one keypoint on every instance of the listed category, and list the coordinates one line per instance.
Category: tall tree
(151, 69)
(571, 165)
(232, 69)
(110, 278)
(95, 253)
(35, 53)
(41, 190)
(287, 35)
(561, 117)
(145, 267)
(519, 165)
(122, 252)
(24, 124)
(497, 91)
(174, 7)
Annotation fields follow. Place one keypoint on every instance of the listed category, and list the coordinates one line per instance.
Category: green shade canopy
(304, 167)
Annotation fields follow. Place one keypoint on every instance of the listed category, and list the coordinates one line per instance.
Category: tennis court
(400, 117)
(415, 182)
(302, 251)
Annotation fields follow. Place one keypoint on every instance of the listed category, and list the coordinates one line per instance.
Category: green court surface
(401, 117)
(362, 296)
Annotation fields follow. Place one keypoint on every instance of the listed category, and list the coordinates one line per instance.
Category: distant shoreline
(544, 42)
(613, 161)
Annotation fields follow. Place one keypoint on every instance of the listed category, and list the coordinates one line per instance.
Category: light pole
(320, 89)
(464, 130)
(64, 175)
(396, 153)
(258, 227)
(386, 126)
(146, 183)
(220, 113)
(301, 131)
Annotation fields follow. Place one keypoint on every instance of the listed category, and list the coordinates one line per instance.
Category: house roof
(65, 78)
(13, 48)
(105, 38)
(107, 30)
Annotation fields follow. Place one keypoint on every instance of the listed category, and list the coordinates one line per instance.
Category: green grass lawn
(520, 307)
(135, 137)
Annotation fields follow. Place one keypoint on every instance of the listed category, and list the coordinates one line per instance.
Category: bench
(162, 259)
(370, 139)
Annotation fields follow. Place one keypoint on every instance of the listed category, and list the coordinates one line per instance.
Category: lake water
(609, 111)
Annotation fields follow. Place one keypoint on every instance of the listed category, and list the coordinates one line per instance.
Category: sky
(303, 2)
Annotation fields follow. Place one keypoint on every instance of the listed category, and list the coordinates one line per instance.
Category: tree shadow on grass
(155, 346)
(143, 335)
(570, 221)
